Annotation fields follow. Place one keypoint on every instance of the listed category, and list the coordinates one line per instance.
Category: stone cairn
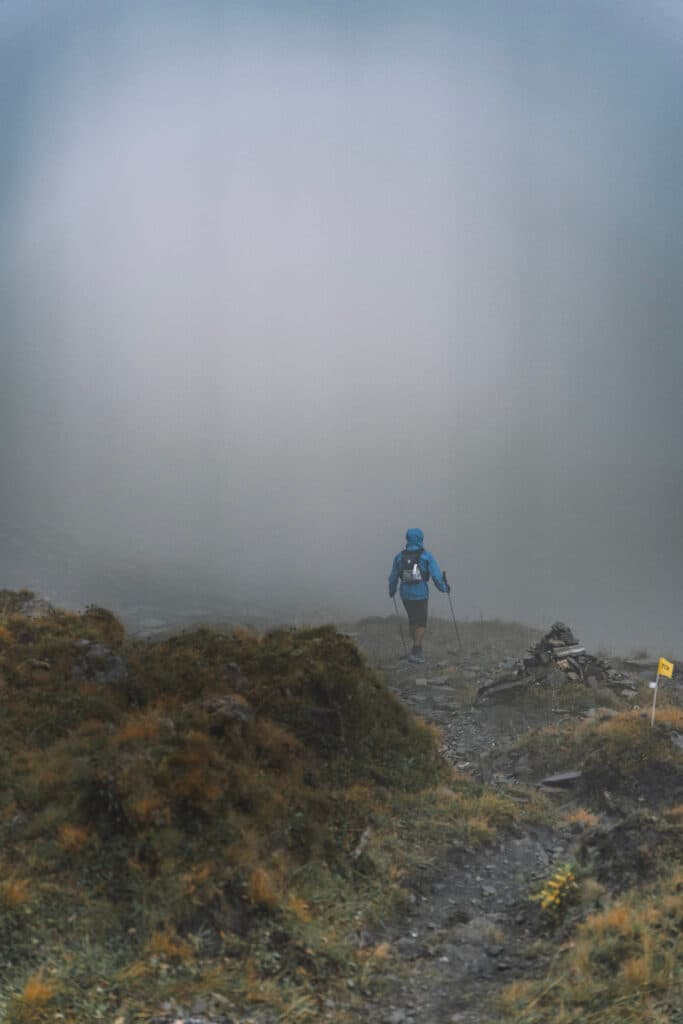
(557, 657)
(559, 647)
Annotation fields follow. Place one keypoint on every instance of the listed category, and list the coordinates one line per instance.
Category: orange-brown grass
(479, 830)
(34, 1003)
(359, 793)
(135, 971)
(444, 792)
(150, 809)
(279, 745)
(6, 637)
(674, 813)
(37, 991)
(202, 882)
(622, 746)
(580, 816)
(623, 964)
(262, 888)
(8, 811)
(167, 944)
(74, 839)
(495, 809)
(16, 892)
(382, 951)
(143, 727)
(669, 714)
(618, 918)
(516, 995)
(300, 908)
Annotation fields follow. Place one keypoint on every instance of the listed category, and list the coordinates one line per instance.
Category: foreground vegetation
(220, 822)
(621, 964)
(620, 957)
(214, 817)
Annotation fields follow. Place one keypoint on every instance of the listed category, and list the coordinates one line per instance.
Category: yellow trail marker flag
(665, 668)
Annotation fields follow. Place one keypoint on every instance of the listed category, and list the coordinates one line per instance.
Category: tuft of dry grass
(143, 727)
(580, 816)
(262, 888)
(16, 892)
(74, 839)
(6, 637)
(37, 991)
(166, 943)
(34, 1004)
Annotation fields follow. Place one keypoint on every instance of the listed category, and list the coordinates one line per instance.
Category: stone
(677, 739)
(97, 652)
(36, 608)
(226, 708)
(114, 672)
(561, 779)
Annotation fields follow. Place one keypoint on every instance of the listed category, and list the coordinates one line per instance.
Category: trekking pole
(448, 593)
(400, 627)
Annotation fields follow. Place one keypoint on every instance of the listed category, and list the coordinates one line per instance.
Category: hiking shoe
(417, 658)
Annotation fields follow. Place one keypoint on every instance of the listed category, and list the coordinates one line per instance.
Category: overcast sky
(281, 280)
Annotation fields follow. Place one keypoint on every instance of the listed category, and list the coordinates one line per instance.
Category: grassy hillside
(210, 816)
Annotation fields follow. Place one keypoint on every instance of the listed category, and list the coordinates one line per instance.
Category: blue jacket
(416, 591)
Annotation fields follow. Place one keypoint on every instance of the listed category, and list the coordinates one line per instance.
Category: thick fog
(280, 281)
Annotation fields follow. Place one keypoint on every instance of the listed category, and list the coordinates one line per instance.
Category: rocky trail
(471, 927)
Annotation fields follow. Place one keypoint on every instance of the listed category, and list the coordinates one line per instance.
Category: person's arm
(437, 575)
(393, 576)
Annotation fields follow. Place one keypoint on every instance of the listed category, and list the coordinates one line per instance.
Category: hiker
(413, 567)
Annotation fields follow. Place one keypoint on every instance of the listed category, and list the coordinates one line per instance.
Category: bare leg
(418, 635)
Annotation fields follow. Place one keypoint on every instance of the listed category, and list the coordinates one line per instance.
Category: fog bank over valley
(279, 283)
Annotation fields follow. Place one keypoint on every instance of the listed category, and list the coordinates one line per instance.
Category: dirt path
(471, 924)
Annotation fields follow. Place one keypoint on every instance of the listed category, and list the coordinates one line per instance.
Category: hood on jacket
(414, 538)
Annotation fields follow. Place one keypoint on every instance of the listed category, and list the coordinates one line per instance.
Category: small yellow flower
(557, 891)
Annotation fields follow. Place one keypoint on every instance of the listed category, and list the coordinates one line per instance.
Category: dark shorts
(417, 612)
